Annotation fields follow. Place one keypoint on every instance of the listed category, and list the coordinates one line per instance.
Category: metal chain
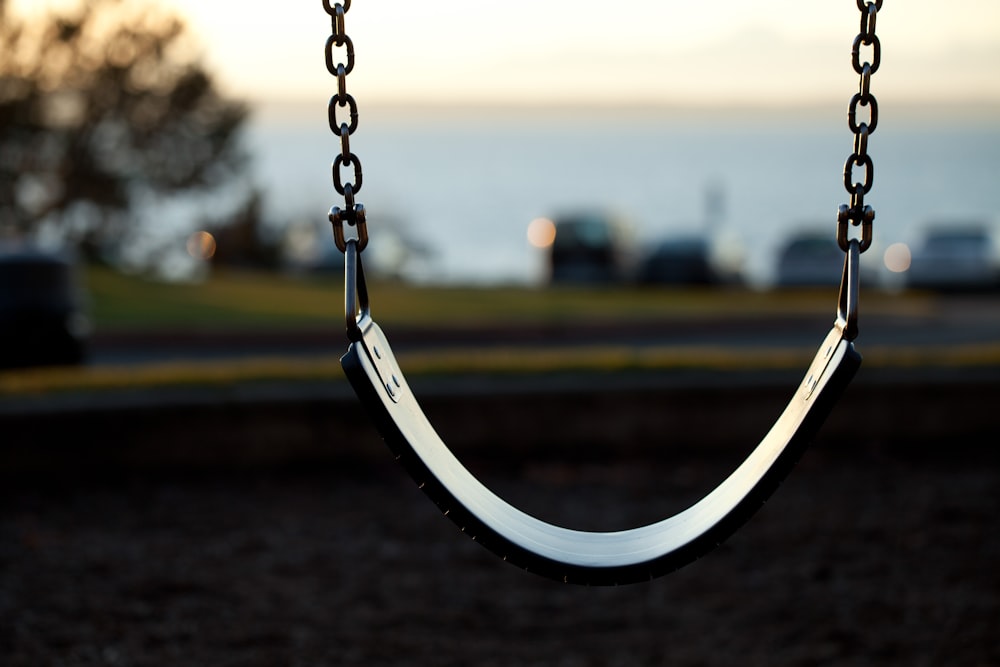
(857, 212)
(353, 213)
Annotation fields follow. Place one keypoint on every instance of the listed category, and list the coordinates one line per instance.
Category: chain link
(857, 212)
(353, 213)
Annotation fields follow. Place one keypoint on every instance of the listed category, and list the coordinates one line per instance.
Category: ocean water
(464, 187)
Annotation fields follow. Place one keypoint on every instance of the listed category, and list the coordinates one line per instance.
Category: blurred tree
(101, 108)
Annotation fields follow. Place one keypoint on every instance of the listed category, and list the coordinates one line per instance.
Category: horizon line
(978, 110)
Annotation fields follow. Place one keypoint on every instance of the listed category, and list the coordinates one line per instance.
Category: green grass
(248, 301)
(257, 300)
(227, 301)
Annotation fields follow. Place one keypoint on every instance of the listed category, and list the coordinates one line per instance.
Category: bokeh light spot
(897, 258)
(201, 245)
(541, 232)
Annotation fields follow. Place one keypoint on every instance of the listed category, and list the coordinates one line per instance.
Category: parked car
(692, 260)
(590, 248)
(41, 316)
(810, 259)
(678, 261)
(958, 257)
(813, 258)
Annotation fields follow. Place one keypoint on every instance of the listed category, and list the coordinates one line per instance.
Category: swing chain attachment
(357, 307)
(353, 213)
(857, 212)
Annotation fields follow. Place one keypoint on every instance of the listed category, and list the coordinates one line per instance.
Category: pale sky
(660, 51)
(585, 51)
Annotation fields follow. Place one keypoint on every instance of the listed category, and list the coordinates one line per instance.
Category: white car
(959, 257)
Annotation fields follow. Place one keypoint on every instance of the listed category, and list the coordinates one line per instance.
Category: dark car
(41, 317)
(693, 260)
(681, 261)
(590, 248)
(810, 259)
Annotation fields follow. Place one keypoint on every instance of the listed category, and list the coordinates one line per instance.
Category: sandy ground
(860, 559)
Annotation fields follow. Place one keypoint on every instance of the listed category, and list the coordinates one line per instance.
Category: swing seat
(584, 557)
(576, 556)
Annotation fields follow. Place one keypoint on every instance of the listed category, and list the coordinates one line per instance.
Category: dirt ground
(859, 559)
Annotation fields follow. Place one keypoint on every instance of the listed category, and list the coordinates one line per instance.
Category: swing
(563, 554)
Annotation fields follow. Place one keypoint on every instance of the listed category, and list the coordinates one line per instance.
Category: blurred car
(810, 259)
(679, 261)
(590, 248)
(960, 257)
(41, 317)
(813, 258)
(692, 260)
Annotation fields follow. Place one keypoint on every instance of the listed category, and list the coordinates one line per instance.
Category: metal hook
(847, 307)
(357, 308)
